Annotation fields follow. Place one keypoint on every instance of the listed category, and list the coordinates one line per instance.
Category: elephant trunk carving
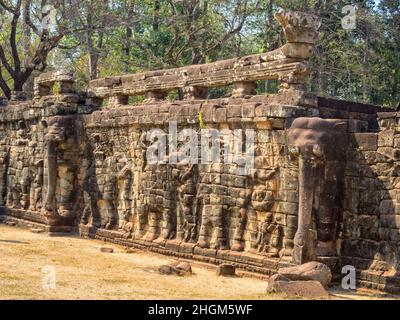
(303, 241)
(62, 147)
(52, 175)
(316, 143)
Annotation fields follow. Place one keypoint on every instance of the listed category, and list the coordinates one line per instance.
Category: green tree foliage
(108, 37)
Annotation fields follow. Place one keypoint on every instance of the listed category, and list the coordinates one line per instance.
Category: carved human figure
(87, 212)
(213, 218)
(19, 180)
(14, 189)
(141, 148)
(266, 228)
(110, 194)
(125, 185)
(4, 164)
(269, 236)
(91, 192)
(155, 210)
(186, 177)
(25, 187)
(141, 164)
(243, 214)
(318, 145)
(35, 172)
(142, 218)
(168, 219)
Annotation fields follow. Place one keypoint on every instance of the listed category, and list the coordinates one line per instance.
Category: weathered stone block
(366, 141)
(387, 207)
(248, 110)
(226, 270)
(309, 271)
(386, 138)
(390, 221)
(234, 111)
(390, 153)
(219, 115)
(305, 289)
(357, 125)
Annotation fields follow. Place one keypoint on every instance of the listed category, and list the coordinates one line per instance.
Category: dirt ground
(82, 271)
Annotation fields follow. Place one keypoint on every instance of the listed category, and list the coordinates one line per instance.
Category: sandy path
(83, 272)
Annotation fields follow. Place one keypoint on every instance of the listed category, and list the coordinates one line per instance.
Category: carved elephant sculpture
(62, 157)
(318, 145)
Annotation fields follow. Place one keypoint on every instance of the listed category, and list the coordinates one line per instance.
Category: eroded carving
(62, 159)
(317, 143)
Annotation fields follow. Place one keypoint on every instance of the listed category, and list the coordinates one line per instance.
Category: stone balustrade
(287, 64)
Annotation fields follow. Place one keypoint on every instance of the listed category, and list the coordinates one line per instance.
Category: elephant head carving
(318, 145)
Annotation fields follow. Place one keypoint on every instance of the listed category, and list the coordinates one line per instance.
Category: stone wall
(104, 186)
(323, 186)
(370, 232)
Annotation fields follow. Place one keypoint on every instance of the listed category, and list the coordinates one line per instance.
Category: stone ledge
(246, 261)
(220, 73)
(259, 264)
(26, 215)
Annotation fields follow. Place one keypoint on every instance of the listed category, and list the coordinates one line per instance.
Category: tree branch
(13, 38)
(4, 86)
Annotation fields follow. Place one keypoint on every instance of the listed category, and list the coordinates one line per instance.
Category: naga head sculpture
(299, 27)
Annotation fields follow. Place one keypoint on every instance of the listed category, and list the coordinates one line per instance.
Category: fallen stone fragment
(177, 268)
(107, 249)
(274, 278)
(309, 271)
(185, 267)
(170, 270)
(304, 289)
(226, 270)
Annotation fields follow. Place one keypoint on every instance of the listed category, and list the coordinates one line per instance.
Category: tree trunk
(156, 16)
(26, 43)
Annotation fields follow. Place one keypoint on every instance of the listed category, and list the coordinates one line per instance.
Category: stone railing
(61, 81)
(287, 64)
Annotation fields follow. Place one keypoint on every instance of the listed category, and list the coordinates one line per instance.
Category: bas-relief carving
(19, 170)
(156, 209)
(264, 226)
(91, 192)
(166, 201)
(267, 230)
(4, 165)
(107, 185)
(117, 192)
(169, 203)
(37, 186)
(186, 177)
(22, 173)
(187, 206)
(62, 165)
(125, 185)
